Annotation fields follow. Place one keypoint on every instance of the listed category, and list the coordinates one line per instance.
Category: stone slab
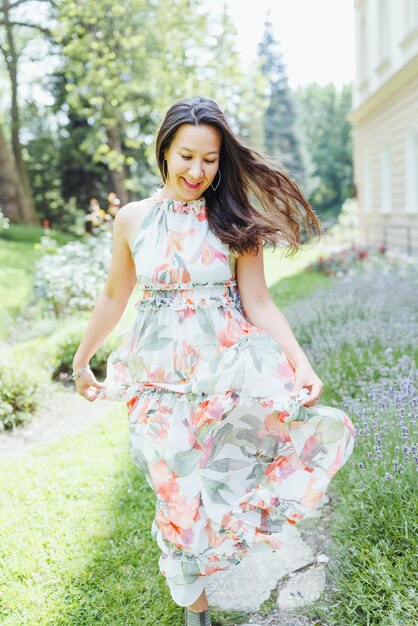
(302, 588)
(247, 585)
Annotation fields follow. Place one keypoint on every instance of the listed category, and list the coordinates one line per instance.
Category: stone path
(63, 413)
(294, 576)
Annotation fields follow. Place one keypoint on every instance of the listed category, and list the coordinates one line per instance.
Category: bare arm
(262, 312)
(114, 297)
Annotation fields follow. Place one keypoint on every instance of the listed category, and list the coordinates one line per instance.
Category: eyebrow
(188, 149)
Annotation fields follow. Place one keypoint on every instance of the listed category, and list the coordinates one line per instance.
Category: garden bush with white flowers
(4, 221)
(69, 278)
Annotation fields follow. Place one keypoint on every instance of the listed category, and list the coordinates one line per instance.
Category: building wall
(386, 34)
(385, 122)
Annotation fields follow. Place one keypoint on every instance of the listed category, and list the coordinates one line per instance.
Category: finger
(91, 393)
(294, 392)
(313, 397)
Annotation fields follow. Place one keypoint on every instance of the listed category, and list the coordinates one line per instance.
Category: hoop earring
(165, 171)
(219, 181)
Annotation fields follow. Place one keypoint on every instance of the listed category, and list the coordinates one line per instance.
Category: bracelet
(79, 372)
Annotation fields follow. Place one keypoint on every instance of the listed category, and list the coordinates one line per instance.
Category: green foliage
(322, 115)
(20, 391)
(281, 142)
(67, 346)
(347, 260)
(70, 278)
(4, 221)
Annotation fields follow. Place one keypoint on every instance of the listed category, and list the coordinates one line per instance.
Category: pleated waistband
(190, 295)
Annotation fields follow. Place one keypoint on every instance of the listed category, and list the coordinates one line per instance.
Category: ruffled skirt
(230, 457)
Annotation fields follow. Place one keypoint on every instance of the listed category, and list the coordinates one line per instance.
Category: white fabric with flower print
(230, 456)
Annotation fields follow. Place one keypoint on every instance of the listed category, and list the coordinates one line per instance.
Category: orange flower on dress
(234, 330)
(187, 361)
(214, 538)
(210, 254)
(276, 427)
(167, 274)
(311, 497)
(175, 241)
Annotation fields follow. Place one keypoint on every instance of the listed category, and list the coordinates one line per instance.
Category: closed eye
(189, 157)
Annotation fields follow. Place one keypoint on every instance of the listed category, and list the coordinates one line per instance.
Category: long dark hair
(247, 176)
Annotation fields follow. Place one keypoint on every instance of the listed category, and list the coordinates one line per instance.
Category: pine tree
(280, 139)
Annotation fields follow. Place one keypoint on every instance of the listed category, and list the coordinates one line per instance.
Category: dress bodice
(174, 248)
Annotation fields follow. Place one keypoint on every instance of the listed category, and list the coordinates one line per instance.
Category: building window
(383, 31)
(366, 201)
(385, 181)
(411, 170)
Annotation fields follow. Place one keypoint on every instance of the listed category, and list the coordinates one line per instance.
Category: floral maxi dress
(230, 456)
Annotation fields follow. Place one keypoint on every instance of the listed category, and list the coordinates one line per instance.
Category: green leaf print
(330, 430)
(185, 462)
(242, 436)
(256, 358)
(205, 322)
(226, 465)
(238, 380)
(190, 572)
(252, 420)
(154, 341)
(213, 488)
(220, 437)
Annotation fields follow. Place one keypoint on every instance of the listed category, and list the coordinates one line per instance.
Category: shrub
(346, 329)
(70, 278)
(21, 391)
(346, 261)
(4, 221)
(65, 350)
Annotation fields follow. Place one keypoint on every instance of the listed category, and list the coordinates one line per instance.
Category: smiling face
(192, 161)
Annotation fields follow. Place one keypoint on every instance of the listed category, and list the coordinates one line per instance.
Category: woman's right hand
(85, 382)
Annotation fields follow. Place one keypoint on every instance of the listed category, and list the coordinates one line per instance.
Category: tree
(122, 65)
(13, 202)
(328, 136)
(280, 140)
(12, 46)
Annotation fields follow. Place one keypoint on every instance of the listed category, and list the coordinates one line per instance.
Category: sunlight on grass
(276, 266)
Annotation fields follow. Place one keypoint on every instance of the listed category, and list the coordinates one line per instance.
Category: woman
(222, 400)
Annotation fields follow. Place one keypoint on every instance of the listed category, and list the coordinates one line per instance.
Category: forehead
(202, 138)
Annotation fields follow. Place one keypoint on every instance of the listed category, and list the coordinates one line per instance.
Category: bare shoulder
(131, 215)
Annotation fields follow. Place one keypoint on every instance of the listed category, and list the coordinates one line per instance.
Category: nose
(196, 170)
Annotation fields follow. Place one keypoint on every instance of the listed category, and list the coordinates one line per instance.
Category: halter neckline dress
(230, 457)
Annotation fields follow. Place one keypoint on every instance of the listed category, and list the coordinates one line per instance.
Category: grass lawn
(75, 545)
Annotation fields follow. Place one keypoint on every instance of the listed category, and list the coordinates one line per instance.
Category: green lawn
(75, 543)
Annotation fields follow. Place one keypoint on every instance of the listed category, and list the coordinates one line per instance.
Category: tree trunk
(117, 177)
(27, 208)
(13, 200)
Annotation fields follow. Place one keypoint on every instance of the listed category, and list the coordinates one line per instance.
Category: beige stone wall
(388, 121)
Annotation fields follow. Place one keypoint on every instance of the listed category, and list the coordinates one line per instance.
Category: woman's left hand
(306, 377)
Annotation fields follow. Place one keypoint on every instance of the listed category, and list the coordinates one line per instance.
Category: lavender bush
(352, 331)
(361, 336)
